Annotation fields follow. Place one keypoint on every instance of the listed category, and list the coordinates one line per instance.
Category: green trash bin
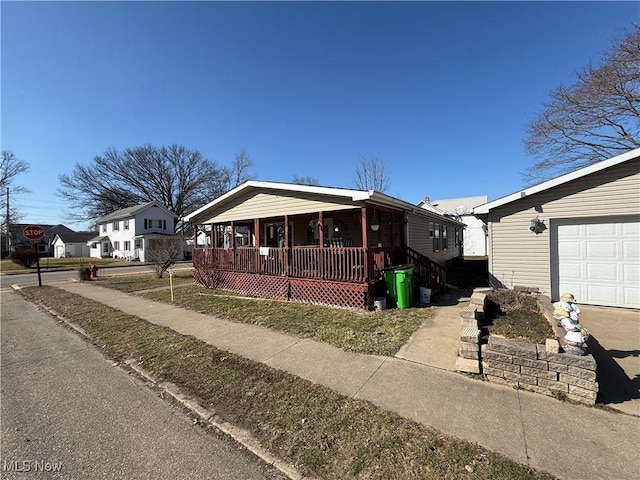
(390, 280)
(404, 285)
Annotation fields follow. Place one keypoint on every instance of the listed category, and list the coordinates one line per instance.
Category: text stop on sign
(33, 233)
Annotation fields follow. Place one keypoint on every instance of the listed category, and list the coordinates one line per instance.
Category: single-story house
(16, 237)
(578, 233)
(475, 233)
(318, 244)
(130, 232)
(72, 244)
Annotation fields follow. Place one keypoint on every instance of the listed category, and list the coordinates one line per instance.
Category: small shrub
(25, 257)
(558, 395)
(84, 274)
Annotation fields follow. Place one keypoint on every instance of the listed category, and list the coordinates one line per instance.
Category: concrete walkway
(566, 440)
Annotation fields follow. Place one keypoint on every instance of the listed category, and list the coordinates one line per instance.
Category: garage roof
(596, 167)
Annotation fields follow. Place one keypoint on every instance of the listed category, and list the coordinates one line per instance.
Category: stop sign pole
(34, 233)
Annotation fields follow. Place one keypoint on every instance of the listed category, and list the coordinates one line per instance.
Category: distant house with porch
(317, 244)
(16, 239)
(130, 232)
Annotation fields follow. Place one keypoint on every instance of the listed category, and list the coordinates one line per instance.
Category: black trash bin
(85, 274)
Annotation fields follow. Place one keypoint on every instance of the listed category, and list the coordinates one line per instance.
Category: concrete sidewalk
(566, 440)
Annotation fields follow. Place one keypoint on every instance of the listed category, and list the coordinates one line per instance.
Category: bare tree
(180, 179)
(371, 174)
(10, 168)
(305, 180)
(239, 172)
(596, 118)
(163, 252)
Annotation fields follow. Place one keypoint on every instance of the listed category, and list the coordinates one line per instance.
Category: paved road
(27, 279)
(63, 403)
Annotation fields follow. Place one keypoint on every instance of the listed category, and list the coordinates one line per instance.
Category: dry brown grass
(327, 435)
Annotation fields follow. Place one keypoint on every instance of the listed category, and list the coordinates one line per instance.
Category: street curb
(204, 415)
(209, 417)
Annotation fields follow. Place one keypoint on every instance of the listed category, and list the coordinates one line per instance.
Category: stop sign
(33, 233)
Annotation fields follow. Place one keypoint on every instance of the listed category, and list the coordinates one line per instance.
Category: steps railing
(427, 273)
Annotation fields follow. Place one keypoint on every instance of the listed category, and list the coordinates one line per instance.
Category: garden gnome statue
(566, 313)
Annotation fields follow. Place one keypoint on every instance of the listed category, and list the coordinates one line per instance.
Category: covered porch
(329, 257)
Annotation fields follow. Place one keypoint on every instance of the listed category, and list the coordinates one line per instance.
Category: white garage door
(599, 261)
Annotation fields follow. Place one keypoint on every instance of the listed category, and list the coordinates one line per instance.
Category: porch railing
(342, 264)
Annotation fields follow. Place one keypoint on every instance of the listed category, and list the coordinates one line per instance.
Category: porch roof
(357, 197)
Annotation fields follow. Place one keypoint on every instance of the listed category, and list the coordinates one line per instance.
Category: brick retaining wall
(539, 368)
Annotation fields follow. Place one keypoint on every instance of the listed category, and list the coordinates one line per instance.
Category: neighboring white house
(127, 233)
(475, 232)
(72, 244)
(578, 233)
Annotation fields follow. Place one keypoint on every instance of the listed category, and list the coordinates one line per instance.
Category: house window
(126, 224)
(94, 245)
(430, 229)
(127, 245)
(116, 245)
(164, 224)
(105, 247)
(116, 226)
(147, 223)
(445, 244)
(104, 228)
(138, 243)
(436, 237)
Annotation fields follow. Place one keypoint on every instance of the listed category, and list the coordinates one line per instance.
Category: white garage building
(591, 244)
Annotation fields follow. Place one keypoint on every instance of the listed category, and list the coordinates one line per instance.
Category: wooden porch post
(256, 247)
(363, 215)
(380, 226)
(195, 235)
(214, 234)
(321, 240)
(233, 246)
(286, 245)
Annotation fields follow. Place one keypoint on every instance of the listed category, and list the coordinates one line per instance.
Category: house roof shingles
(130, 212)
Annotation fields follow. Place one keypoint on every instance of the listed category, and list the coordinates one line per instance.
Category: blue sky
(440, 92)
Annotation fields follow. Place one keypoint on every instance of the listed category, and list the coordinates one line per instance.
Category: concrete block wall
(471, 336)
(538, 368)
(541, 369)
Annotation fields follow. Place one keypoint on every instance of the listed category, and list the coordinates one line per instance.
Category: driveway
(615, 344)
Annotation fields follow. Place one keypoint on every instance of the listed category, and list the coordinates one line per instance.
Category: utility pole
(7, 227)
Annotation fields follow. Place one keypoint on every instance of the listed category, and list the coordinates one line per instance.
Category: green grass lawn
(146, 281)
(326, 435)
(50, 263)
(378, 333)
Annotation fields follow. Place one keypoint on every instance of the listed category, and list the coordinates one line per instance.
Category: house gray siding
(520, 257)
(419, 240)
